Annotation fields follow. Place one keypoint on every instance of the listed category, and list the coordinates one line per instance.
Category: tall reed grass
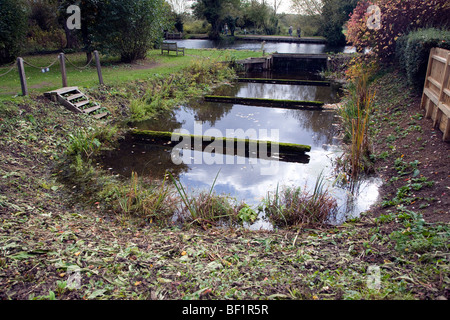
(140, 197)
(207, 208)
(294, 206)
(355, 114)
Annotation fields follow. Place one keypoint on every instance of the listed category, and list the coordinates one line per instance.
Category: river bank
(48, 235)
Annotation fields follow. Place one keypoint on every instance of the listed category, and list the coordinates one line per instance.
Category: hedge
(413, 50)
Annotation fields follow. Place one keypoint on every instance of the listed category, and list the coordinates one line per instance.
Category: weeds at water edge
(207, 208)
(297, 207)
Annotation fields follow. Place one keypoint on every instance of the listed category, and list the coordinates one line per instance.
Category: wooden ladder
(75, 100)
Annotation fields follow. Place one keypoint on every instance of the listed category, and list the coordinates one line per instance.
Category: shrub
(39, 40)
(398, 17)
(131, 28)
(125, 28)
(335, 14)
(13, 28)
(197, 27)
(413, 50)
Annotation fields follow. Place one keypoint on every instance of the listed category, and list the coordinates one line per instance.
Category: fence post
(99, 68)
(62, 62)
(23, 79)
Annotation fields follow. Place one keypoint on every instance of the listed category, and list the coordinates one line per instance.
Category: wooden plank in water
(273, 103)
(315, 40)
(320, 56)
(287, 81)
(283, 148)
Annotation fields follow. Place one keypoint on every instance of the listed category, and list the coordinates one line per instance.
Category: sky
(284, 7)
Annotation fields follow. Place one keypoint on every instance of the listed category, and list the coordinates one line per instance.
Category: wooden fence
(436, 92)
(62, 62)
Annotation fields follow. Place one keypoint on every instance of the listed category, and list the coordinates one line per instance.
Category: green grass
(113, 71)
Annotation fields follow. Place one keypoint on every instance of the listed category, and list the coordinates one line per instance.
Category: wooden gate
(436, 92)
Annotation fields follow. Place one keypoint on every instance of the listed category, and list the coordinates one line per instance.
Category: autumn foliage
(398, 17)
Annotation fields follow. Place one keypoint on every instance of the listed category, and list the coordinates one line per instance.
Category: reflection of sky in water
(294, 126)
(325, 94)
(245, 181)
(280, 47)
(252, 180)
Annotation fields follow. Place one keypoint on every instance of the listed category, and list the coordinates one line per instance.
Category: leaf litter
(46, 237)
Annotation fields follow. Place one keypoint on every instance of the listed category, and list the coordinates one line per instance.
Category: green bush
(196, 27)
(413, 50)
(125, 28)
(13, 28)
(40, 40)
(335, 13)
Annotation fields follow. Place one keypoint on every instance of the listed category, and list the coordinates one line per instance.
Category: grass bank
(114, 72)
(51, 231)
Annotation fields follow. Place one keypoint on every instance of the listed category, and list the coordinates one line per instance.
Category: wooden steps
(75, 100)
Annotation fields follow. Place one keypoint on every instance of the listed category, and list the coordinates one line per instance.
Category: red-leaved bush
(398, 17)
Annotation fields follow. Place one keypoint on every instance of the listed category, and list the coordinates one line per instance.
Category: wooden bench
(171, 46)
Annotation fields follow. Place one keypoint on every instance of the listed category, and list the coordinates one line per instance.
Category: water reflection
(294, 126)
(280, 47)
(271, 74)
(248, 179)
(285, 92)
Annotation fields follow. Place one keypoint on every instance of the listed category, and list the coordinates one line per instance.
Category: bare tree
(276, 5)
(180, 6)
(308, 7)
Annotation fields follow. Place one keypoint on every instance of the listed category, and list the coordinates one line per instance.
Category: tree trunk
(71, 39)
(88, 56)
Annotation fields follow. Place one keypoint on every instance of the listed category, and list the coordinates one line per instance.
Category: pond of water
(280, 47)
(249, 179)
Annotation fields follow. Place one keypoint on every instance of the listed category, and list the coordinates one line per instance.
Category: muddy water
(248, 179)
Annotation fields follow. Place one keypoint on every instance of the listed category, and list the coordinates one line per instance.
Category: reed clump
(355, 117)
(150, 200)
(208, 208)
(294, 206)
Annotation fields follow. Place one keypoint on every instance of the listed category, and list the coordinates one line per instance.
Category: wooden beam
(155, 136)
(287, 81)
(23, 79)
(62, 62)
(99, 67)
(273, 103)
